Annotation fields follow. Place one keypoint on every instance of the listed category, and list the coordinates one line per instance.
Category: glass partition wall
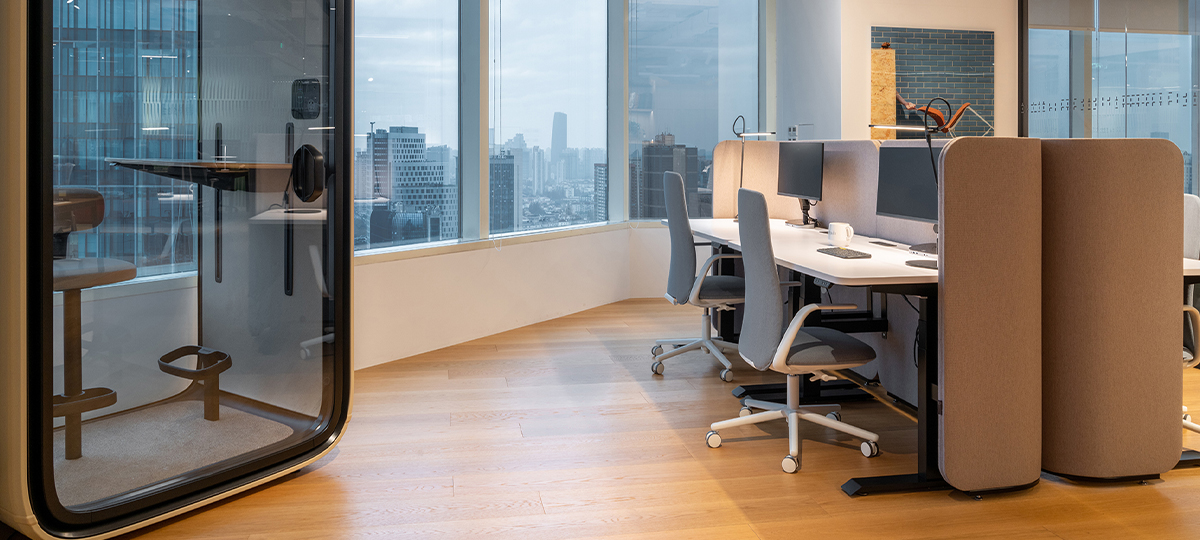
(1116, 68)
(193, 260)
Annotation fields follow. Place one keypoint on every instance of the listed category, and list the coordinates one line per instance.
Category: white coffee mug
(840, 234)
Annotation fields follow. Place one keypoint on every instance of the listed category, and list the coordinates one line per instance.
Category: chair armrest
(695, 295)
(791, 284)
(1195, 317)
(779, 363)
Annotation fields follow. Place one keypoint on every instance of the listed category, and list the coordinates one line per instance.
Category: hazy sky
(552, 59)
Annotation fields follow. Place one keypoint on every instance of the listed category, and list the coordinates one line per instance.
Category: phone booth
(176, 253)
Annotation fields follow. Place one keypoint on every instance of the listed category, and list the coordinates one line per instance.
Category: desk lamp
(742, 135)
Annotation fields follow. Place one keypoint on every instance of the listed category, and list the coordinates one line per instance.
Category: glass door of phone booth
(194, 258)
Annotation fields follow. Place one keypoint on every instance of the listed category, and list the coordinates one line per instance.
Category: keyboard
(843, 253)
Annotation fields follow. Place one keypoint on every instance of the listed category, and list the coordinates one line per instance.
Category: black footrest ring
(209, 363)
(90, 400)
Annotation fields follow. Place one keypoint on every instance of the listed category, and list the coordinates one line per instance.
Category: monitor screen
(907, 188)
(800, 166)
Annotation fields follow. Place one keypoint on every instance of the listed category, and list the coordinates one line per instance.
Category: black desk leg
(928, 476)
(723, 320)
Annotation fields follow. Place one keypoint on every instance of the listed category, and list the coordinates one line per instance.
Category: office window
(405, 123)
(548, 132)
(1121, 69)
(693, 69)
(125, 87)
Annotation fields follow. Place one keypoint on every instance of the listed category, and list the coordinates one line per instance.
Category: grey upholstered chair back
(762, 325)
(683, 248)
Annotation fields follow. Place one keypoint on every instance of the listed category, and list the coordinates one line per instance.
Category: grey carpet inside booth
(134, 449)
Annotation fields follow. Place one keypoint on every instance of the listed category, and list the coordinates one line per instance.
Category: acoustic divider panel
(758, 170)
(990, 325)
(1112, 225)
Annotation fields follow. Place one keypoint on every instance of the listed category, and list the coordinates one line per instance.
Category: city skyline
(407, 191)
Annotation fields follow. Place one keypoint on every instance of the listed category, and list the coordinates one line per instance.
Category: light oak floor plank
(560, 431)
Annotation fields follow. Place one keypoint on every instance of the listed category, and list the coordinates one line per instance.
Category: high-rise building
(416, 188)
(392, 145)
(364, 178)
(504, 214)
(658, 156)
(600, 194)
(558, 137)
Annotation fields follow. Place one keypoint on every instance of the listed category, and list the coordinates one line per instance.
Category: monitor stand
(805, 222)
(928, 248)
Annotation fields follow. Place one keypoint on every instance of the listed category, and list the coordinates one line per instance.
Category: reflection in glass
(193, 309)
(693, 69)
(1133, 75)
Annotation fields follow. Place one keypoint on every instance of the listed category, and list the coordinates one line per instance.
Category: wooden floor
(559, 430)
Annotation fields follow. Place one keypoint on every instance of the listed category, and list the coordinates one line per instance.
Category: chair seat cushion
(90, 272)
(723, 288)
(816, 346)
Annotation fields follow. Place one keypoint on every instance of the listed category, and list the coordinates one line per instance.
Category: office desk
(886, 272)
(796, 249)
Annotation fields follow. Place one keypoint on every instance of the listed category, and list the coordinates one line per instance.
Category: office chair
(684, 286)
(797, 352)
(79, 209)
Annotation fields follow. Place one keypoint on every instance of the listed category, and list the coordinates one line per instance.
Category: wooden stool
(78, 209)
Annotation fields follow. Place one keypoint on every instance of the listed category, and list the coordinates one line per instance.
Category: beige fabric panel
(761, 174)
(1112, 290)
(990, 327)
(850, 176)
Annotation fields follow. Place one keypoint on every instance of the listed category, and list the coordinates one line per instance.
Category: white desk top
(796, 249)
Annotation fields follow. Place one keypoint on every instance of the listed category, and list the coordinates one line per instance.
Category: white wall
(410, 306)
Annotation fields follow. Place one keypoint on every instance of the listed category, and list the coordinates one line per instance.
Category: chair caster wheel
(835, 416)
(713, 439)
(657, 368)
(790, 465)
(869, 449)
(656, 350)
(1187, 418)
(745, 411)
(727, 375)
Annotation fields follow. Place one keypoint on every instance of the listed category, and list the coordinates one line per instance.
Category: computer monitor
(800, 165)
(907, 186)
